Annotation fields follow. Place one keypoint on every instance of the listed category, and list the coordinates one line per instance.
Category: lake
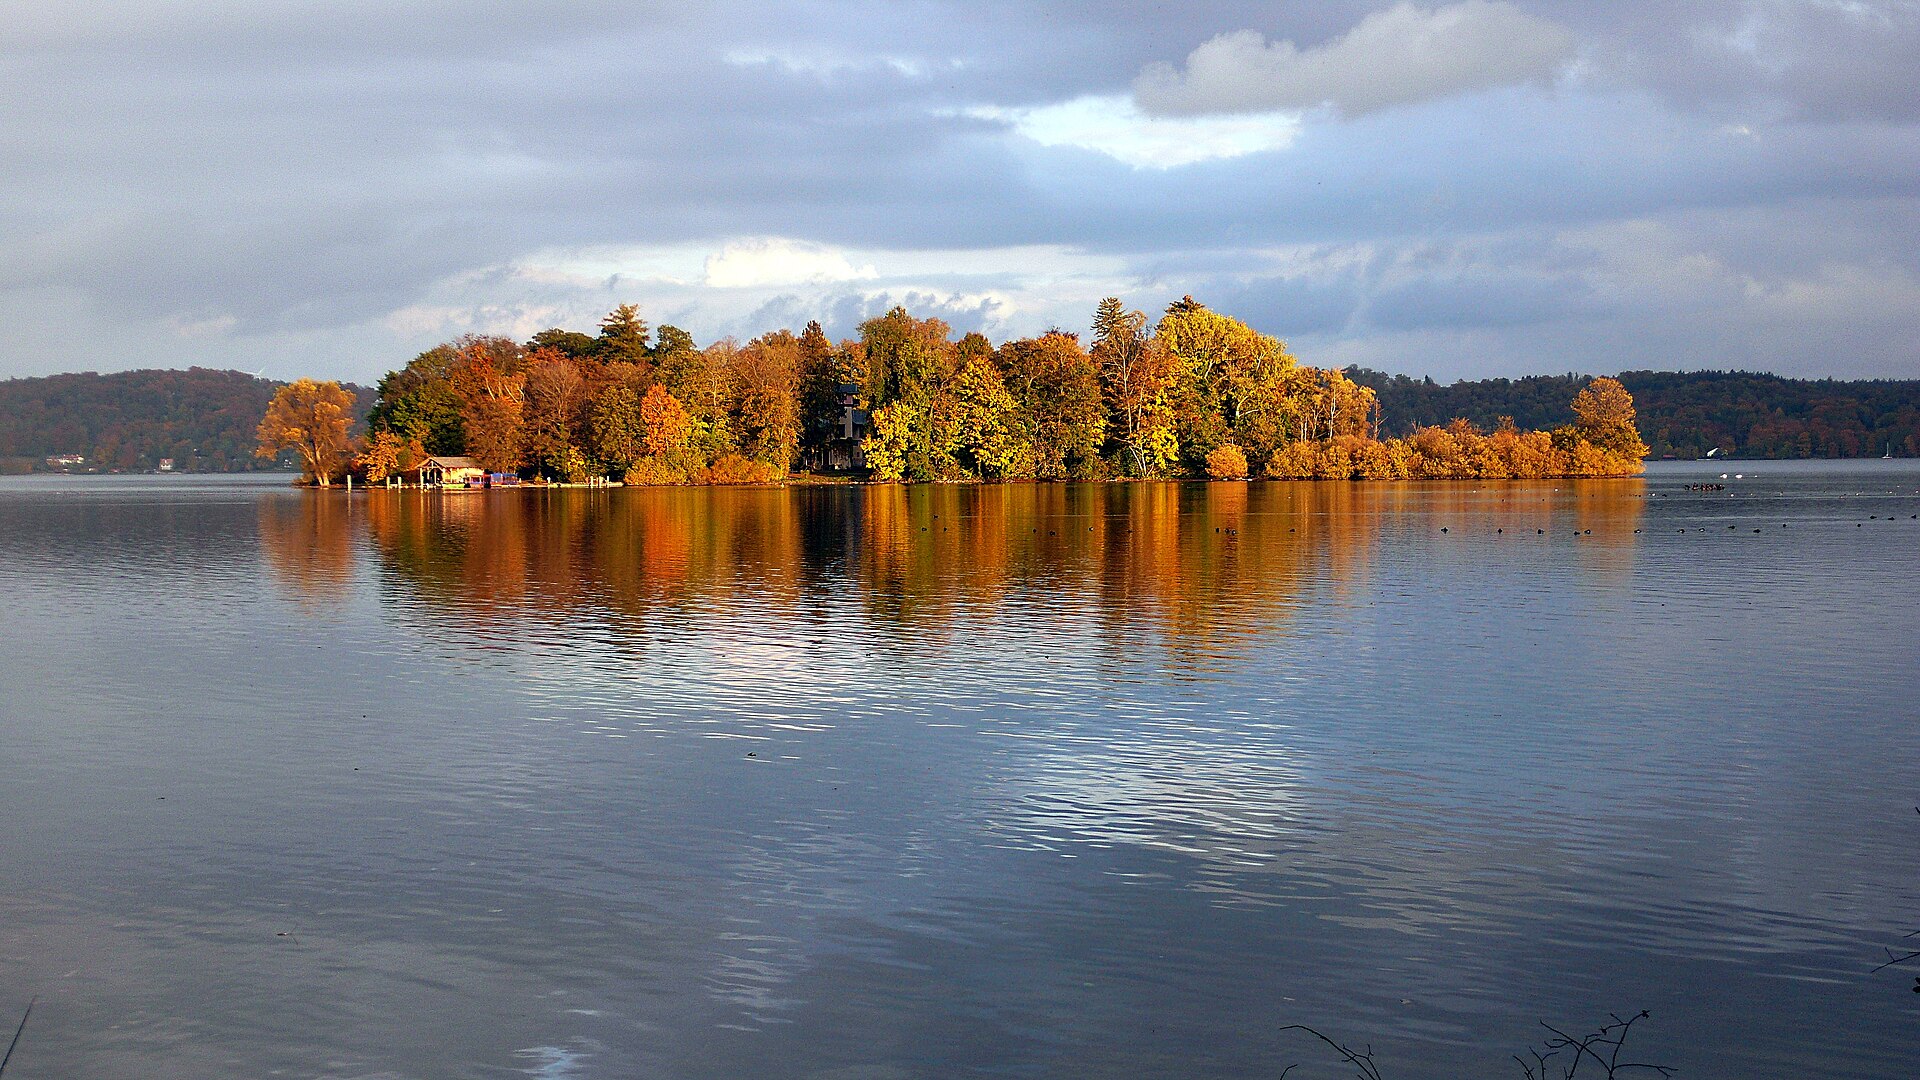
(1013, 781)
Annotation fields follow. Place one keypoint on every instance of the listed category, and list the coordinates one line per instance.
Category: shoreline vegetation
(1195, 395)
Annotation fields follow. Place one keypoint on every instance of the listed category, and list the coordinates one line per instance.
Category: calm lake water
(1025, 781)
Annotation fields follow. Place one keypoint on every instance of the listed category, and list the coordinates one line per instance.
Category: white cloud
(1399, 56)
(824, 63)
(773, 261)
(1115, 126)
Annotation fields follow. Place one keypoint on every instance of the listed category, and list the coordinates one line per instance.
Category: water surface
(1024, 780)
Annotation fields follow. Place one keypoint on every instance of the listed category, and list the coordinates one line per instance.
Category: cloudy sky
(1452, 189)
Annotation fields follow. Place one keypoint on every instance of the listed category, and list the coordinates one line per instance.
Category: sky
(1457, 190)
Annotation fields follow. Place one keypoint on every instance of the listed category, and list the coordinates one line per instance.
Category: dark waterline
(1031, 780)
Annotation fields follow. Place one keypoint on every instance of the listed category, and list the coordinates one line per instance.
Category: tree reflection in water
(1200, 570)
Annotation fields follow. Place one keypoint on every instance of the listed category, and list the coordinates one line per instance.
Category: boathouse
(446, 472)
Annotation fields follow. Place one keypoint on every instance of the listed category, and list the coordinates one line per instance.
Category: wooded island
(1196, 394)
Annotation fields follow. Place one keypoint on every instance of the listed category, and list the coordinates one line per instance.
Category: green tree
(623, 337)
(418, 402)
(570, 343)
(673, 340)
(902, 354)
(819, 377)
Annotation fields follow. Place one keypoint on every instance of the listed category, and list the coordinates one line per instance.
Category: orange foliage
(1227, 462)
(312, 419)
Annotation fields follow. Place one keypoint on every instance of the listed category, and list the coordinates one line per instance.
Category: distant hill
(1684, 414)
(132, 420)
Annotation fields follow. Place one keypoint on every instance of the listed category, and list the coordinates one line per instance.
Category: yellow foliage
(737, 469)
(653, 471)
(1228, 462)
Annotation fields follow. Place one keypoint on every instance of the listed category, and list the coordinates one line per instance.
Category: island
(1194, 395)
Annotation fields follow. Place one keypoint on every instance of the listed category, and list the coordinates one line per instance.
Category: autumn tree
(1603, 416)
(489, 380)
(1227, 462)
(1312, 404)
(554, 415)
(666, 433)
(312, 419)
(763, 406)
(1136, 379)
(1057, 389)
(985, 436)
(386, 454)
(1228, 380)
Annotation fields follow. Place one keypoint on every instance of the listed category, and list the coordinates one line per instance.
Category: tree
(820, 377)
(489, 379)
(418, 402)
(665, 435)
(763, 405)
(1604, 417)
(673, 340)
(311, 418)
(388, 454)
(1227, 462)
(1136, 378)
(1230, 383)
(555, 415)
(902, 353)
(623, 336)
(569, 342)
(664, 424)
(980, 438)
(1057, 390)
(616, 428)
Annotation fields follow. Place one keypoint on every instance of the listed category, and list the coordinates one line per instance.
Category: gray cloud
(1399, 56)
(328, 188)
(1764, 60)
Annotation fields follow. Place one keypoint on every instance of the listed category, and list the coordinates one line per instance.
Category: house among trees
(843, 446)
(446, 472)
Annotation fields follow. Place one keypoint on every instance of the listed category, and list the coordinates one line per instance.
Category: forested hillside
(130, 421)
(1684, 414)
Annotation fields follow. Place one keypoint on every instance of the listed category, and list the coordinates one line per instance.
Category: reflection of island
(1196, 568)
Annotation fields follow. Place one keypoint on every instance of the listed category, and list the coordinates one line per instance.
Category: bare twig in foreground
(16, 1034)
